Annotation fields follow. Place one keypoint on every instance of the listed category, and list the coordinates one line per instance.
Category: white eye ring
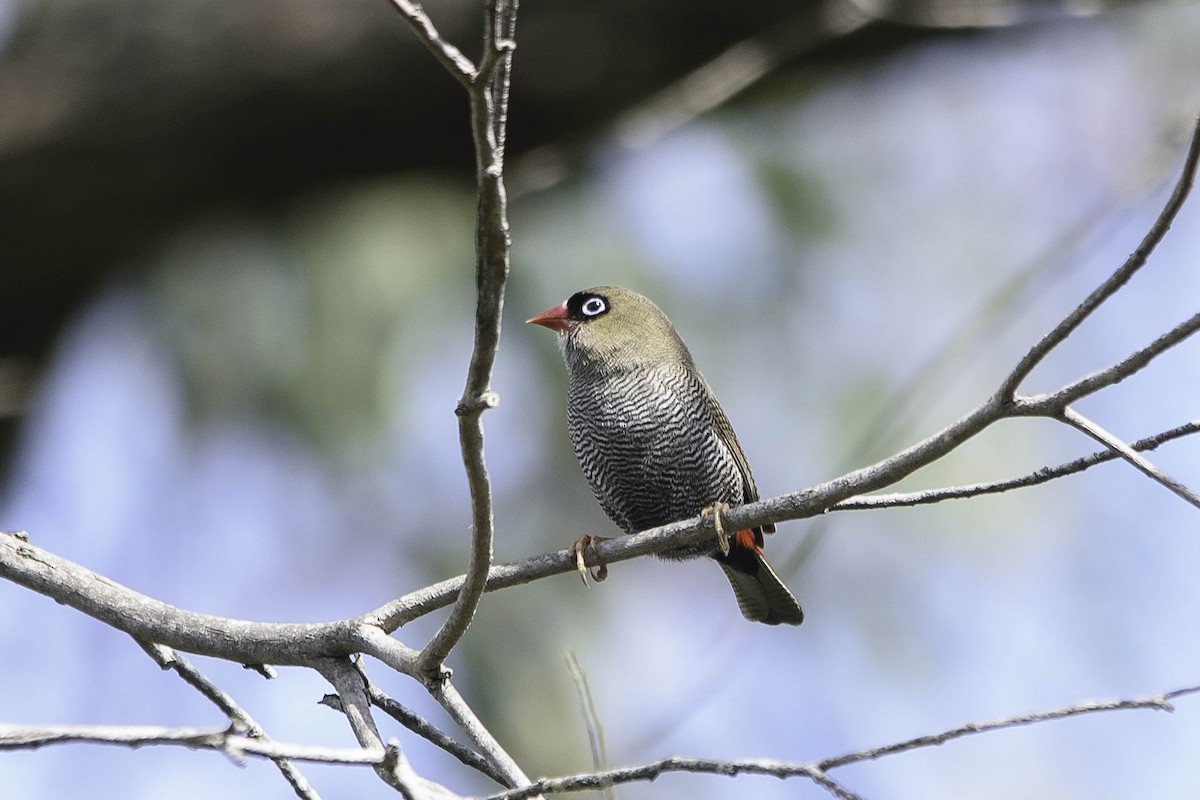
(593, 306)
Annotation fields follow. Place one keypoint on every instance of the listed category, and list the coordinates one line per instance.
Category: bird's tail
(761, 595)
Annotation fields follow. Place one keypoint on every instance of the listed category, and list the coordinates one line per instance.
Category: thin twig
(511, 775)
(818, 771)
(501, 48)
(1136, 261)
(168, 659)
(588, 781)
(450, 56)
(423, 728)
(488, 88)
(1035, 478)
(1158, 702)
(591, 718)
(1048, 404)
(235, 745)
(393, 769)
(1125, 451)
(820, 778)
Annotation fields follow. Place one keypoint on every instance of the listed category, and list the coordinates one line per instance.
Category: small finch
(652, 440)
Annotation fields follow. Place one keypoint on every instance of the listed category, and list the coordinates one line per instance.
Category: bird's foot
(715, 511)
(578, 549)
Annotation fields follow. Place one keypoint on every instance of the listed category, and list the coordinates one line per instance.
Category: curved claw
(578, 548)
(715, 511)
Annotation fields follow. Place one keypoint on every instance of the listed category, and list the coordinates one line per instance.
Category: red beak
(555, 319)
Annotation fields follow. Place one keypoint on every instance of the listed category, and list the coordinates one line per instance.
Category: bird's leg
(715, 511)
(578, 547)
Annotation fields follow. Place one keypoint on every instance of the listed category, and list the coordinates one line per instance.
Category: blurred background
(237, 269)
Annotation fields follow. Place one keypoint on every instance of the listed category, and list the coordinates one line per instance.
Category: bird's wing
(730, 440)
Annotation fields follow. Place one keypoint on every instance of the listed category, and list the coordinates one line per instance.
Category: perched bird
(654, 444)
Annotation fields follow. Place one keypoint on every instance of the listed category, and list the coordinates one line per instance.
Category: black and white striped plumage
(652, 441)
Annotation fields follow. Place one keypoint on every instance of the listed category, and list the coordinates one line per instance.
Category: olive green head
(609, 329)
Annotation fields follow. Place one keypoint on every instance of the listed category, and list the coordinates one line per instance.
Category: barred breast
(649, 448)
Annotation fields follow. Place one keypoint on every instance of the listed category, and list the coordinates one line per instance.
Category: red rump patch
(747, 540)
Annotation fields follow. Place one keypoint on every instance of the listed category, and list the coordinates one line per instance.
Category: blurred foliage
(314, 316)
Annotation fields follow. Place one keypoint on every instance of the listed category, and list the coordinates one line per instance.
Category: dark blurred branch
(817, 771)
(736, 69)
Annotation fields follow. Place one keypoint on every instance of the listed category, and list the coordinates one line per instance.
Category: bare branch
(1043, 475)
(426, 730)
(349, 685)
(150, 620)
(512, 775)
(420, 726)
(817, 771)
(168, 659)
(1136, 261)
(234, 745)
(1049, 404)
(415, 605)
(447, 54)
(651, 771)
(1082, 423)
(488, 121)
(393, 768)
(379, 645)
(1159, 702)
(827, 783)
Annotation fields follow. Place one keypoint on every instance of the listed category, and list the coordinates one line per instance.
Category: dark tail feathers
(761, 595)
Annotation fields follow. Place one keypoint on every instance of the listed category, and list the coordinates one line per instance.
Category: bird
(652, 440)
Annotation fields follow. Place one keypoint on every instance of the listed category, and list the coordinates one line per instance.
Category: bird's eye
(594, 306)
